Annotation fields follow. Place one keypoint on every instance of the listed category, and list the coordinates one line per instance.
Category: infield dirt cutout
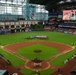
(62, 48)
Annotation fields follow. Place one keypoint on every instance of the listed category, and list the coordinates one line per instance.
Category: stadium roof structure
(43, 2)
(51, 4)
(15, 3)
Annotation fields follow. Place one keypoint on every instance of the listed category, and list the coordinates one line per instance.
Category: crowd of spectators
(66, 30)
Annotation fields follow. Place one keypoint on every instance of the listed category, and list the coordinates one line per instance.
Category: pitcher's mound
(37, 51)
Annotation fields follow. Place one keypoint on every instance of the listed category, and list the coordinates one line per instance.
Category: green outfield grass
(29, 53)
(67, 39)
(53, 36)
(15, 61)
(44, 72)
(59, 61)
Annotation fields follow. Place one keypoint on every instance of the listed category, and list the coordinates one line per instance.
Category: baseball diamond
(37, 37)
(50, 51)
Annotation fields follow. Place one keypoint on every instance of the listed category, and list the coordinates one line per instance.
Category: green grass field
(29, 53)
(44, 72)
(14, 60)
(53, 36)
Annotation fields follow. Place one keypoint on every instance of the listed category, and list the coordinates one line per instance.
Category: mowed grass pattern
(59, 61)
(44, 72)
(15, 61)
(67, 39)
(28, 52)
(53, 36)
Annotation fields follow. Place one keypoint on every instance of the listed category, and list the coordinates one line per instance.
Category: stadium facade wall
(16, 26)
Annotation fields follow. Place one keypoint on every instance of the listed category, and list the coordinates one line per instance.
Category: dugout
(3, 72)
(12, 30)
(73, 72)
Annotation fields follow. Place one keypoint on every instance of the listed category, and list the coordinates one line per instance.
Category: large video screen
(69, 15)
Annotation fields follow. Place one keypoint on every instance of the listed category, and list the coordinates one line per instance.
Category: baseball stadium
(37, 37)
